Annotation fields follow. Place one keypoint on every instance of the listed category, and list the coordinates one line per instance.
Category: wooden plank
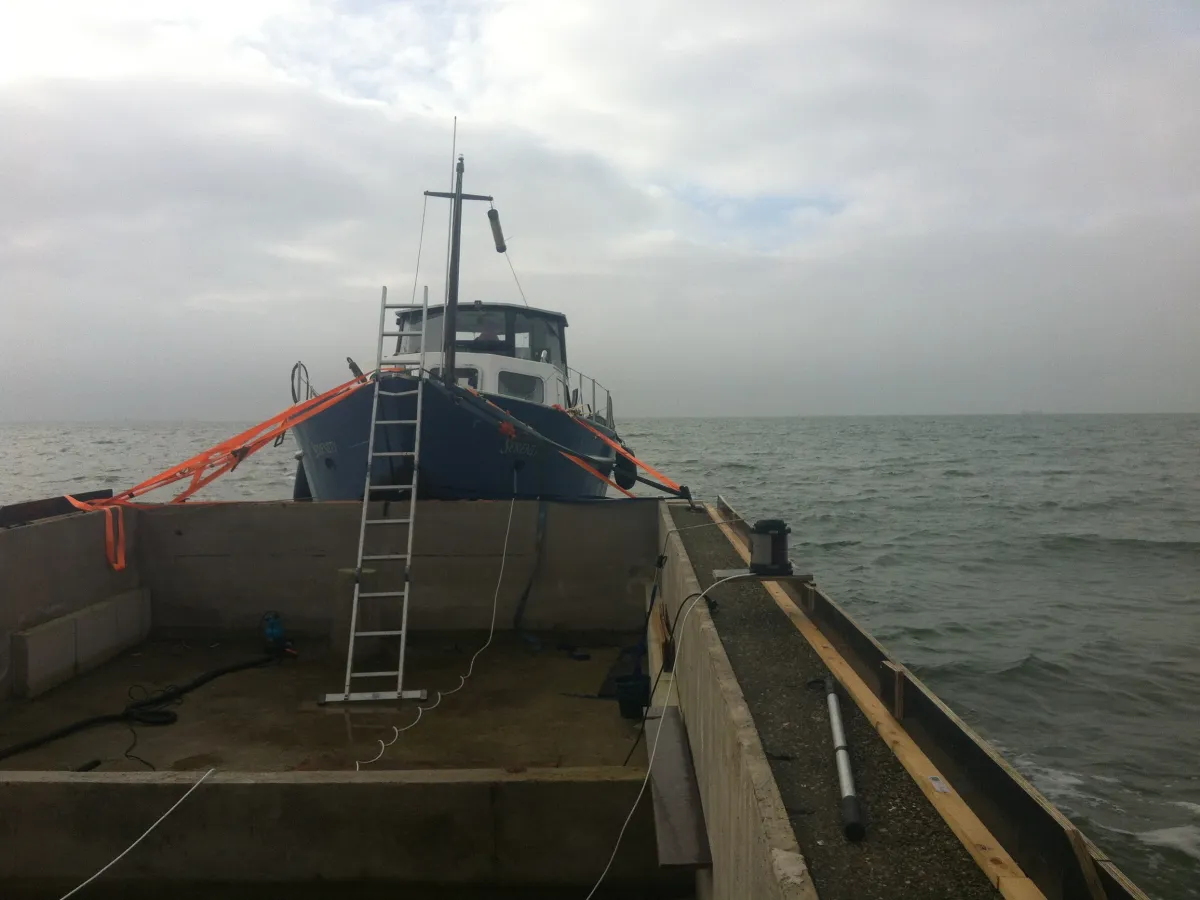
(32, 510)
(987, 852)
(678, 814)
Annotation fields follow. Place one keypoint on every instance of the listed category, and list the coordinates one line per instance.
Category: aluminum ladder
(386, 525)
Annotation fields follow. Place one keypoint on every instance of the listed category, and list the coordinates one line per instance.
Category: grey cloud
(1018, 229)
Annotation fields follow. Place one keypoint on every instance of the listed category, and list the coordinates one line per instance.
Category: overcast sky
(744, 208)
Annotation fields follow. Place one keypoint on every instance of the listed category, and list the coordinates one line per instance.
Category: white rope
(420, 244)
(514, 273)
(122, 854)
(654, 748)
(462, 679)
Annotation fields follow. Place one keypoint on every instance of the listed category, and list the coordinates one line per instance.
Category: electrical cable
(654, 747)
(660, 565)
(462, 679)
(145, 833)
(148, 711)
(646, 713)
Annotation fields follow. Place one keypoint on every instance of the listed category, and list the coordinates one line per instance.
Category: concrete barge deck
(517, 784)
(909, 850)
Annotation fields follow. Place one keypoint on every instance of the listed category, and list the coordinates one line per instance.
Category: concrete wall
(754, 849)
(540, 827)
(53, 568)
(53, 652)
(219, 567)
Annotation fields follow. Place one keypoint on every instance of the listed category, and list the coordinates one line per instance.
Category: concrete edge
(483, 827)
(336, 776)
(754, 848)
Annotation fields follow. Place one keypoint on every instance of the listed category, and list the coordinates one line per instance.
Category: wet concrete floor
(523, 707)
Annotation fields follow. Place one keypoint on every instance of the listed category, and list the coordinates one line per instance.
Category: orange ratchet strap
(579, 462)
(637, 462)
(204, 468)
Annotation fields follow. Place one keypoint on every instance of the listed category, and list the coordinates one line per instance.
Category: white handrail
(600, 394)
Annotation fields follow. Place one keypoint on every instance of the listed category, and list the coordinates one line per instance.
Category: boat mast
(450, 316)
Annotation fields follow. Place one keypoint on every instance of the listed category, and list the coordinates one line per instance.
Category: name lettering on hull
(519, 448)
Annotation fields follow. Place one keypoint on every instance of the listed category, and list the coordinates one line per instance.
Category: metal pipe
(852, 818)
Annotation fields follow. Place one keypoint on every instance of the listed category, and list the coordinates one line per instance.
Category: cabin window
(464, 376)
(481, 326)
(538, 339)
(520, 386)
(503, 332)
(475, 330)
(412, 322)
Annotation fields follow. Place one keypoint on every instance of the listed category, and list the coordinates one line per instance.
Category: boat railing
(302, 388)
(583, 388)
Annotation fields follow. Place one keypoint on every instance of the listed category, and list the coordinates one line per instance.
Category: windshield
(506, 332)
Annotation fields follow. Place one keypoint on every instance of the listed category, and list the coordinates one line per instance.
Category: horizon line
(652, 417)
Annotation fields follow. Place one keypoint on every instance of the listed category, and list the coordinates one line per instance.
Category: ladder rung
(389, 522)
(396, 393)
(375, 594)
(395, 421)
(376, 556)
(378, 633)
(403, 306)
(401, 334)
(374, 674)
(394, 453)
(391, 487)
(375, 695)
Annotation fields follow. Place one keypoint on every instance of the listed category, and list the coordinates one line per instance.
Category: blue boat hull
(464, 455)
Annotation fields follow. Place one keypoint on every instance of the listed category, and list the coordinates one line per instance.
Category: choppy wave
(1029, 665)
(1099, 542)
(1182, 838)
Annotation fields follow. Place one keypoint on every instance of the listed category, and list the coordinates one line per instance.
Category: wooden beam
(1000, 868)
(1086, 863)
(898, 677)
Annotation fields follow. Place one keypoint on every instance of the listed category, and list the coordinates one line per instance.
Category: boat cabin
(513, 351)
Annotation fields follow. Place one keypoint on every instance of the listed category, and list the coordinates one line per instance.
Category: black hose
(148, 711)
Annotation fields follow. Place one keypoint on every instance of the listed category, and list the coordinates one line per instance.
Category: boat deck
(523, 708)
